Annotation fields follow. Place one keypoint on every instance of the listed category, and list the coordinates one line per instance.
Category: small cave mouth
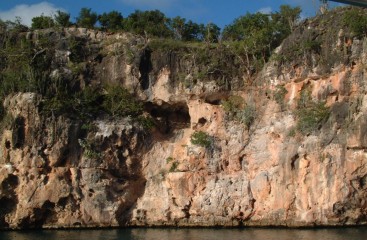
(202, 121)
(169, 117)
(7, 144)
(216, 98)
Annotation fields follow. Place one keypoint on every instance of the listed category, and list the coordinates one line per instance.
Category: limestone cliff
(262, 162)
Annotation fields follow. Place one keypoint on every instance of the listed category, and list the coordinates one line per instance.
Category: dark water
(187, 234)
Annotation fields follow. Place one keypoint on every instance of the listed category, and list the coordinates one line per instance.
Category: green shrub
(292, 132)
(88, 103)
(311, 45)
(77, 49)
(169, 159)
(88, 149)
(233, 104)
(201, 139)
(356, 21)
(238, 110)
(146, 122)
(312, 117)
(174, 166)
(119, 102)
(247, 116)
(57, 105)
(279, 94)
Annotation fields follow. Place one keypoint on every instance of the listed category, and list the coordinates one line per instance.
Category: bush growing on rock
(201, 139)
(312, 117)
(42, 22)
(279, 94)
(119, 102)
(238, 110)
(247, 115)
(356, 21)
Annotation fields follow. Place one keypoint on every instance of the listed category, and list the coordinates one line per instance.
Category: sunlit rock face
(57, 172)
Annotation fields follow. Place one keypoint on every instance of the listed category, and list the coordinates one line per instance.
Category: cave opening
(169, 117)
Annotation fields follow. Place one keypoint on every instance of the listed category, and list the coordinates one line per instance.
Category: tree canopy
(258, 31)
(62, 19)
(87, 18)
(42, 22)
(111, 21)
(153, 23)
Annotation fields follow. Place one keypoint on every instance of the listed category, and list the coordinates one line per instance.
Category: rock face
(264, 172)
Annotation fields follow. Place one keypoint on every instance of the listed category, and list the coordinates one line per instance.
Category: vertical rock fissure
(145, 67)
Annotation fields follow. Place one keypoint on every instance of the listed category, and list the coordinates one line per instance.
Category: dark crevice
(293, 161)
(145, 67)
(18, 132)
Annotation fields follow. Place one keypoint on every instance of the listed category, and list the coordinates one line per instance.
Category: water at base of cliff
(357, 233)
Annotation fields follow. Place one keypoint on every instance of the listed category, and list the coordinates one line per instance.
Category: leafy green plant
(169, 159)
(312, 117)
(174, 166)
(88, 126)
(238, 110)
(201, 139)
(356, 21)
(87, 103)
(247, 116)
(233, 104)
(77, 49)
(88, 149)
(57, 105)
(292, 132)
(311, 45)
(279, 94)
(119, 102)
(146, 122)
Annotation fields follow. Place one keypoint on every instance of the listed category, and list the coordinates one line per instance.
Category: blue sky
(220, 12)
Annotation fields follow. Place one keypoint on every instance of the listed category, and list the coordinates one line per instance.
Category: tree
(186, 31)
(16, 26)
(287, 16)
(178, 26)
(153, 23)
(253, 35)
(42, 22)
(62, 19)
(192, 32)
(211, 32)
(86, 18)
(356, 21)
(3, 26)
(111, 21)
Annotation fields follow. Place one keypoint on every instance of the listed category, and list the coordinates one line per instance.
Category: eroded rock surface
(54, 173)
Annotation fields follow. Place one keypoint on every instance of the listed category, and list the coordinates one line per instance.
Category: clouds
(265, 10)
(27, 12)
